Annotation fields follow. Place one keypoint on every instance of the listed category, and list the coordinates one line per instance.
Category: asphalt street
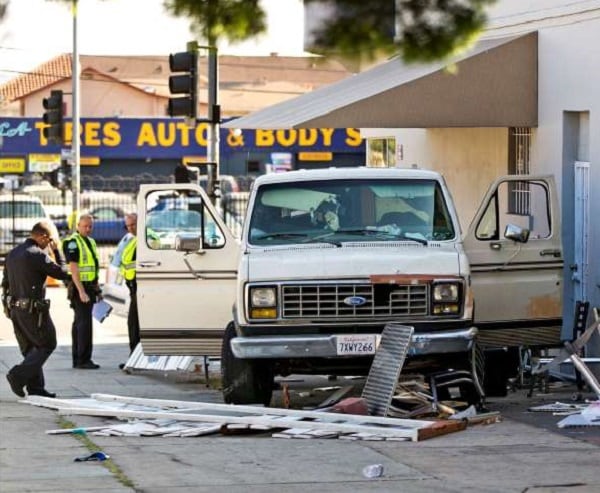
(524, 452)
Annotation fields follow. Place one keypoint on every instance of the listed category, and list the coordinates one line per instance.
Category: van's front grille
(326, 301)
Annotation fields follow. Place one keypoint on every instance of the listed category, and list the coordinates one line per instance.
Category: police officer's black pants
(81, 331)
(36, 345)
(133, 321)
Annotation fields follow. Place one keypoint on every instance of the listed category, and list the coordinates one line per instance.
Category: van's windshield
(350, 210)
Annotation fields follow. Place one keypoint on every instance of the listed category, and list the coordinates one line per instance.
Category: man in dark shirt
(26, 269)
(82, 257)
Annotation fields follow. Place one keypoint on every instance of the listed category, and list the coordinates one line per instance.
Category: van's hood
(351, 261)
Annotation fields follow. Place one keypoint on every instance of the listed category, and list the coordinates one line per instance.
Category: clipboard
(101, 310)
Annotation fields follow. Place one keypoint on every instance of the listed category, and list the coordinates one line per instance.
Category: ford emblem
(354, 301)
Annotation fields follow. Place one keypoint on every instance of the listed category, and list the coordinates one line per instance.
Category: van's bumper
(325, 346)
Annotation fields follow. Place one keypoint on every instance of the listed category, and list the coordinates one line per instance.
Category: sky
(125, 27)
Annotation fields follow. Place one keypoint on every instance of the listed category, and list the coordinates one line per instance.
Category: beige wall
(470, 159)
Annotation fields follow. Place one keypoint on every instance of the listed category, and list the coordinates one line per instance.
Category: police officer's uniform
(127, 269)
(26, 268)
(82, 250)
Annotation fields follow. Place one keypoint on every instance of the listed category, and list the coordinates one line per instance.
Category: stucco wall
(569, 126)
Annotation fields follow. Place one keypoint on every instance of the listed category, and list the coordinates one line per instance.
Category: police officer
(82, 257)
(127, 269)
(26, 269)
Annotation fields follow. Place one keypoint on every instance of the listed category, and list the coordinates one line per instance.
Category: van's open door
(517, 284)
(185, 298)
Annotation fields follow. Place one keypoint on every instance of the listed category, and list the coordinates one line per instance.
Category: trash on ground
(96, 456)
(373, 471)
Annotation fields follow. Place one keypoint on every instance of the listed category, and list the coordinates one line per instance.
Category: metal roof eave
(493, 85)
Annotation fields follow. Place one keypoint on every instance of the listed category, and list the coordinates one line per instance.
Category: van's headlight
(445, 298)
(263, 302)
(445, 292)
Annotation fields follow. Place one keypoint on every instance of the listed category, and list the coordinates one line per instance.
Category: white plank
(259, 410)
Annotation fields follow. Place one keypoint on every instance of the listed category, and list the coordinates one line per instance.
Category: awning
(494, 85)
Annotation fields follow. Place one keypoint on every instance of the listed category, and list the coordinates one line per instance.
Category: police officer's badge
(72, 245)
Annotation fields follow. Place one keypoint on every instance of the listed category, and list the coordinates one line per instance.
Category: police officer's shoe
(15, 386)
(42, 393)
(88, 365)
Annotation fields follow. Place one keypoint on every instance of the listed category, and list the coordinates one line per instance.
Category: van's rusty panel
(544, 336)
(546, 306)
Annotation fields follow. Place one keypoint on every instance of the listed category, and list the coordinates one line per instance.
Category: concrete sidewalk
(505, 457)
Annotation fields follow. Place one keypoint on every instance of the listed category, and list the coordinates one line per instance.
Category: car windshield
(21, 209)
(350, 210)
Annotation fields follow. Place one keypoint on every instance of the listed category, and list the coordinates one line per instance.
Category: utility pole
(76, 181)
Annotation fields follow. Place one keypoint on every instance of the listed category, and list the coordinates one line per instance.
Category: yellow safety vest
(127, 262)
(86, 264)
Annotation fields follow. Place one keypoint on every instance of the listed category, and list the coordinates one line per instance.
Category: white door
(185, 299)
(517, 286)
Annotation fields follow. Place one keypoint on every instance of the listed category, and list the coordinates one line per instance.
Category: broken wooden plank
(442, 427)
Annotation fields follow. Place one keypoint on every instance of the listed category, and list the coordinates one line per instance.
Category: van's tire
(244, 381)
(500, 365)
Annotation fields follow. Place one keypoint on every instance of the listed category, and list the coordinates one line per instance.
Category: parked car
(18, 213)
(109, 224)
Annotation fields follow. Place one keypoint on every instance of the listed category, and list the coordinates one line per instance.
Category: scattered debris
(96, 456)
(386, 367)
(590, 416)
(196, 418)
(373, 471)
(139, 361)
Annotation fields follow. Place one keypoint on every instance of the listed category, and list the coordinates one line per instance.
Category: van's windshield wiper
(285, 236)
(377, 232)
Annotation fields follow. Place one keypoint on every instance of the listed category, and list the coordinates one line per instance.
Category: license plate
(356, 344)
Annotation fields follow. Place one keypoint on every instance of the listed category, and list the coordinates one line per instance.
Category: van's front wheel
(244, 381)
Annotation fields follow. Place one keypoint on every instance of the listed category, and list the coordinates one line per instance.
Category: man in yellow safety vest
(82, 257)
(127, 269)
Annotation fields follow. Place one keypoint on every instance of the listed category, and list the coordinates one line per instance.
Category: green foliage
(427, 30)
(212, 20)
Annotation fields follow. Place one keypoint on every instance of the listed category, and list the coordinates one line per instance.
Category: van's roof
(348, 173)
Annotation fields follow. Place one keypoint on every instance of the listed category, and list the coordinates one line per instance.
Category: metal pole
(75, 122)
(214, 127)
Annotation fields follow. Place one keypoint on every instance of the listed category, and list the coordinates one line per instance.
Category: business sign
(12, 165)
(169, 138)
(43, 163)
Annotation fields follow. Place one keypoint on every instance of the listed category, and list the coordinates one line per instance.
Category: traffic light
(184, 83)
(53, 117)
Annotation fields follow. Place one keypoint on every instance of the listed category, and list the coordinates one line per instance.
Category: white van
(328, 257)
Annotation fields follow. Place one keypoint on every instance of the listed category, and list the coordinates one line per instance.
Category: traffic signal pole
(214, 116)
(185, 83)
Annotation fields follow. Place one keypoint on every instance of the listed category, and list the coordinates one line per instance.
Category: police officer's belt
(23, 303)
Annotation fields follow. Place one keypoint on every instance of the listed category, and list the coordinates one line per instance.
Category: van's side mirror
(188, 242)
(516, 233)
